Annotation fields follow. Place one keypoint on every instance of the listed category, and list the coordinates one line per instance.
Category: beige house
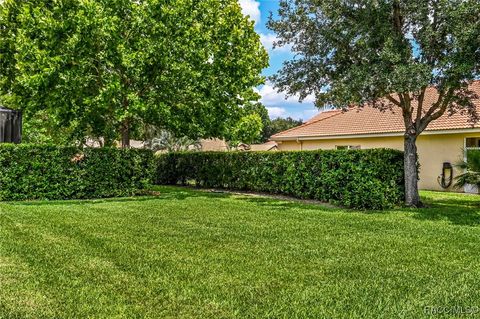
(264, 147)
(444, 141)
(218, 145)
(213, 145)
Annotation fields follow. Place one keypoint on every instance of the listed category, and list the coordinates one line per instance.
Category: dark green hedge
(51, 172)
(362, 179)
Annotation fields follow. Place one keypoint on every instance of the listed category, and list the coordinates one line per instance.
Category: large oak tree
(384, 54)
(102, 68)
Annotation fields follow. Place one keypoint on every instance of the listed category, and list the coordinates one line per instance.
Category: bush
(362, 179)
(51, 172)
(471, 170)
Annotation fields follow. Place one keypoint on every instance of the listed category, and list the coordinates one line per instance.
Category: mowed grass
(191, 254)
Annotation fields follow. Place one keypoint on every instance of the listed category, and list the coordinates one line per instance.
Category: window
(347, 147)
(472, 142)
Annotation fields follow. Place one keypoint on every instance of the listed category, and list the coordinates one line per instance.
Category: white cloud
(304, 114)
(278, 106)
(270, 96)
(275, 112)
(251, 8)
(268, 40)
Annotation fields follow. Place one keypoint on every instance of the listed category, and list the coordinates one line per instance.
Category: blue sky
(259, 11)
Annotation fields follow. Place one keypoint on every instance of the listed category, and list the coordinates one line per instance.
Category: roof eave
(389, 134)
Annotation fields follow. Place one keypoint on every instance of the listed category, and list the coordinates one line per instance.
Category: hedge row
(365, 179)
(52, 172)
(362, 179)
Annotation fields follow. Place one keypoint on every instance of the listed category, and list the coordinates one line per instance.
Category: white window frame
(469, 188)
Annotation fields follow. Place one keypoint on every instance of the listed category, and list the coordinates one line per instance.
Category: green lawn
(189, 254)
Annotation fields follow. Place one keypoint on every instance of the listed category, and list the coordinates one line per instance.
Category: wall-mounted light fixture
(446, 178)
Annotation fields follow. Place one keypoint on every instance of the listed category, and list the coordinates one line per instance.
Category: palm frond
(471, 168)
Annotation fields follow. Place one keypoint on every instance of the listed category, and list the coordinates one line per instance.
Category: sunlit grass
(190, 254)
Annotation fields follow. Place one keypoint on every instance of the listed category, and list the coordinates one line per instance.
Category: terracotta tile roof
(323, 115)
(368, 120)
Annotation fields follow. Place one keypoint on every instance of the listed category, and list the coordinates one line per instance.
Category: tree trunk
(126, 134)
(412, 197)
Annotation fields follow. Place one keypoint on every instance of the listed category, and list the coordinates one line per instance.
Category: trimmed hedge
(362, 179)
(52, 172)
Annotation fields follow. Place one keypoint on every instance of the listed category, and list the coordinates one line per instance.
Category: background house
(213, 145)
(444, 141)
(264, 147)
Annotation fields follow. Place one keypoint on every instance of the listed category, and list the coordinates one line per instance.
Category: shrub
(362, 179)
(51, 172)
(471, 170)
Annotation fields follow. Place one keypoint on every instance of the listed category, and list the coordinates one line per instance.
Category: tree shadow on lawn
(287, 203)
(455, 208)
(260, 198)
(177, 193)
(458, 209)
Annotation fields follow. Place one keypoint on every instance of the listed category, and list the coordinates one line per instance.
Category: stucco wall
(433, 150)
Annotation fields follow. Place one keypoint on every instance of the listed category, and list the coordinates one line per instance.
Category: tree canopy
(356, 52)
(281, 124)
(105, 68)
(384, 54)
(270, 127)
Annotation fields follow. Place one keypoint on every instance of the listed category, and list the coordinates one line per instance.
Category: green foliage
(163, 140)
(384, 54)
(258, 108)
(105, 68)
(472, 170)
(281, 124)
(355, 52)
(43, 129)
(247, 130)
(363, 179)
(52, 172)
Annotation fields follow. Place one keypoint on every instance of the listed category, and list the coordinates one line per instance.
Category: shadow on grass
(178, 193)
(261, 199)
(287, 203)
(458, 209)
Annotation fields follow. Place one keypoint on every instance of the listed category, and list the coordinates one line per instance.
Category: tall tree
(248, 130)
(260, 110)
(384, 54)
(281, 124)
(104, 68)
